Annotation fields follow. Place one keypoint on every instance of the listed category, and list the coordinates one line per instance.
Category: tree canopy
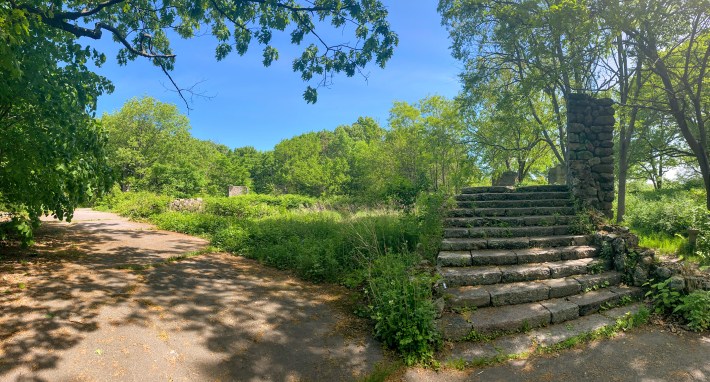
(143, 28)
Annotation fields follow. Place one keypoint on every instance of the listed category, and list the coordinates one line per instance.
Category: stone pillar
(237, 190)
(590, 148)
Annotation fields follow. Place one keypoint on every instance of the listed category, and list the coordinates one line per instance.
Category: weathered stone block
(584, 155)
(603, 168)
(603, 151)
(576, 128)
(561, 310)
(237, 190)
(508, 178)
(605, 136)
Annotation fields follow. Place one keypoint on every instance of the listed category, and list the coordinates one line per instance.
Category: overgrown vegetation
(693, 307)
(662, 219)
(376, 251)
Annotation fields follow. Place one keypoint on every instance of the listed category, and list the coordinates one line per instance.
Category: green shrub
(256, 206)
(695, 308)
(664, 299)
(136, 205)
(670, 211)
(401, 307)
(194, 223)
(232, 238)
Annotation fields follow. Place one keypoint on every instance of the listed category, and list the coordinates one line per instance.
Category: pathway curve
(75, 312)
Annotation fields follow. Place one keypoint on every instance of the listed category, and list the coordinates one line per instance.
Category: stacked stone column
(590, 148)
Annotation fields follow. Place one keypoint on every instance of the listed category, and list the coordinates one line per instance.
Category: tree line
(422, 147)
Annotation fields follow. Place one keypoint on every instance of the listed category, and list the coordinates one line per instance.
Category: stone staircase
(511, 260)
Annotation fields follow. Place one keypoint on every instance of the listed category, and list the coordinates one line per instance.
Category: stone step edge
(449, 244)
(491, 212)
(497, 196)
(505, 232)
(462, 329)
(515, 203)
(500, 274)
(524, 292)
(506, 189)
(521, 345)
(514, 256)
(507, 221)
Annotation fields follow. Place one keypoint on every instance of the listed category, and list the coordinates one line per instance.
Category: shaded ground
(71, 311)
(646, 354)
(68, 312)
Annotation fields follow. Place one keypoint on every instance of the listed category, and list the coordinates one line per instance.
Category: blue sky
(255, 106)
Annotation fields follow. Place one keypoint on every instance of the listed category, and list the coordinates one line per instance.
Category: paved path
(72, 313)
(645, 355)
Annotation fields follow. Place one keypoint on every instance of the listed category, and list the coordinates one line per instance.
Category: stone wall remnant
(590, 149)
(557, 175)
(237, 190)
(507, 178)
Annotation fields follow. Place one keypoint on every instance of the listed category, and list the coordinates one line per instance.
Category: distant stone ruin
(187, 205)
(557, 175)
(508, 178)
(237, 190)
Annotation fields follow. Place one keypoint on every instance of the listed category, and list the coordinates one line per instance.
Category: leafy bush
(193, 223)
(695, 308)
(256, 206)
(135, 205)
(401, 307)
(670, 211)
(664, 299)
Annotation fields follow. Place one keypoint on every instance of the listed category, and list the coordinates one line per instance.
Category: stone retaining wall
(640, 265)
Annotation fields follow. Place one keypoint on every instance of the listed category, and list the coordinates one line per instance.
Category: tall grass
(661, 219)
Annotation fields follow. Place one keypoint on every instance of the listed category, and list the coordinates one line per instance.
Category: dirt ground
(72, 309)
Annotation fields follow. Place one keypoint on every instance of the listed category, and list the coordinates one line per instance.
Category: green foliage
(400, 305)
(135, 205)
(235, 26)
(582, 223)
(670, 211)
(695, 308)
(194, 223)
(255, 205)
(663, 298)
(664, 244)
(51, 151)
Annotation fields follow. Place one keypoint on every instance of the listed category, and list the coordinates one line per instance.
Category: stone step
(511, 318)
(517, 212)
(469, 244)
(509, 221)
(507, 189)
(466, 297)
(567, 202)
(482, 352)
(485, 275)
(514, 196)
(514, 256)
(482, 232)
